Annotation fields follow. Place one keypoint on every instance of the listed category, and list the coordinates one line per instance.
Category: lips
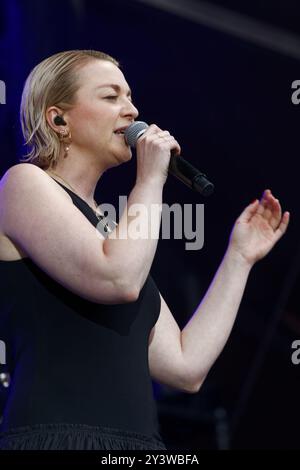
(121, 130)
(120, 135)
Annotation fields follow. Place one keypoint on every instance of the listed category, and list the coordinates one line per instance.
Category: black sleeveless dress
(79, 370)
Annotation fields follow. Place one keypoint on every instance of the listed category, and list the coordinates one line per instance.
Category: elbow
(129, 294)
(125, 290)
(115, 292)
(193, 386)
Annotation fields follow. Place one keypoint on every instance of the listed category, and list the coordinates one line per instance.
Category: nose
(130, 110)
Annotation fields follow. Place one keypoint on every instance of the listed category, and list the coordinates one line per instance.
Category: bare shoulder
(24, 183)
(9, 249)
(21, 167)
(20, 170)
(18, 177)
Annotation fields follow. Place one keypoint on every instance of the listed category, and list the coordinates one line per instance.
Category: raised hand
(258, 228)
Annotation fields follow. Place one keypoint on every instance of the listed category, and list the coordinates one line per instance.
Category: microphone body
(178, 167)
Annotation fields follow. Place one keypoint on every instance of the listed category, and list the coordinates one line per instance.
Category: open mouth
(120, 130)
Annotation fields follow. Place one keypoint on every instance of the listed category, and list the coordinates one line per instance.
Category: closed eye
(112, 97)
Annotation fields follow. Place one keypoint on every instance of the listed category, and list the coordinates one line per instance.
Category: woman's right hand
(153, 151)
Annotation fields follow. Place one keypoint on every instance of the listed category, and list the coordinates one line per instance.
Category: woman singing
(84, 323)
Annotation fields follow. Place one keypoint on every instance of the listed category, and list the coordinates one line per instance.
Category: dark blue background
(228, 102)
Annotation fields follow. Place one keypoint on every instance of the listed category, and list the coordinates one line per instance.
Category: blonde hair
(53, 82)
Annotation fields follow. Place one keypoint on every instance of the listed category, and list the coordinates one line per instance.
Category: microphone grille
(134, 131)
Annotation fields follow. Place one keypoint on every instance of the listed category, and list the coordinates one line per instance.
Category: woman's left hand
(258, 228)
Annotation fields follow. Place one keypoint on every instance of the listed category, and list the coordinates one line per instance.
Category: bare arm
(41, 219)
(182, 359)
(206, 333)
(137, 253)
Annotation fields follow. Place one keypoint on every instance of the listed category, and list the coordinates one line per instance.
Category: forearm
(132, 253)
(206, 333)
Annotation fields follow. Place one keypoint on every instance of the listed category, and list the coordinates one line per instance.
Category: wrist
(238, 259)
(153, 183)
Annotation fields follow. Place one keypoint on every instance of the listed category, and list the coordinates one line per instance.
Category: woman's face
(103, 104)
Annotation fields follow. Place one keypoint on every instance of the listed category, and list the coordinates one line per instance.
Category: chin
(124, 156)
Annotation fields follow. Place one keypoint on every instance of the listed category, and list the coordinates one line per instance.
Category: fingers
(276, 216)
(157, 135)
(152, 129)
(270, 209)
(265, 208)
(249, 211)
(172, 144)
(282, 226)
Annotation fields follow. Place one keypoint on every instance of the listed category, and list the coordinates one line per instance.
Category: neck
(81, 175)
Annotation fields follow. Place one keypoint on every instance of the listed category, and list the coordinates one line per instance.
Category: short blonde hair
(53, 82)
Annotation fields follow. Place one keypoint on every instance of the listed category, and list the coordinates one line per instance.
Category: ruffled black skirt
(75, 437)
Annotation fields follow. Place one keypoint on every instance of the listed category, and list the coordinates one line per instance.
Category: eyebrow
(114, 86)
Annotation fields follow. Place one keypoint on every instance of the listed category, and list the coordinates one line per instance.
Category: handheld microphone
(183, 170)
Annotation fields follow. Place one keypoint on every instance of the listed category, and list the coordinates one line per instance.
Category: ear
(51, 114)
